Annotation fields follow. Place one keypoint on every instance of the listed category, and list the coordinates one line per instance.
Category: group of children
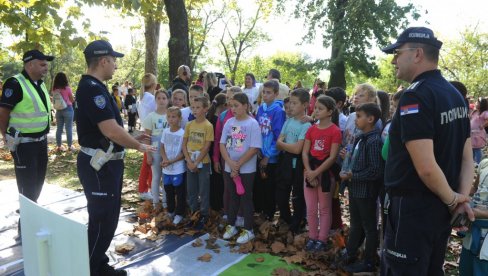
(219, 154)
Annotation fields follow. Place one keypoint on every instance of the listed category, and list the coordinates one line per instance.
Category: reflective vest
(30, 114)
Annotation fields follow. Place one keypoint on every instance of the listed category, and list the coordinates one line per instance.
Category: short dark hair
(273, 85)
(275, 74)
(337, 93)
(430, 52)
(93, 61)
(302, 95)
(196, 87)
(370, 109)
(130, 90)
(286, 100)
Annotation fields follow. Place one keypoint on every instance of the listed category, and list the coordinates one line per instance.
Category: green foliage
(351, 28)
(240, 34)
(466, 60)
(292, 66)
(39, 24)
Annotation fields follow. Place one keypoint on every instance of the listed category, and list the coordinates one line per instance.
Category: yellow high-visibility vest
(30, 114)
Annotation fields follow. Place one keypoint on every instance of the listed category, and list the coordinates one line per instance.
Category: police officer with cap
(100, 161)
(25, 111)
(429, 169)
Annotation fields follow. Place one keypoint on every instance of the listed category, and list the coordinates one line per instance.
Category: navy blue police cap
(100, 48)
(35, 54)
(414, 35)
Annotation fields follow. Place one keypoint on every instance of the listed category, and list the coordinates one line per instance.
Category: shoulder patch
(100, 101)
(409, 109)
(93, 83)
(414, 86)
(8, 92)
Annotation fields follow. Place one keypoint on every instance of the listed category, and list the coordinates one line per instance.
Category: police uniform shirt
(94, 104)
(12, 95)
(431, 108)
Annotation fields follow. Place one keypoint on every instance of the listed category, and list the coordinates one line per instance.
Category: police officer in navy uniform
(100, 130)
(429, 169)
(25, 115)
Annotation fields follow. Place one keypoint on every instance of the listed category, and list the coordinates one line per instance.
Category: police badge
(8, 92)
(100, 101)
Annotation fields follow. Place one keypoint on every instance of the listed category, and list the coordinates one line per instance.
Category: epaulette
(413, 87)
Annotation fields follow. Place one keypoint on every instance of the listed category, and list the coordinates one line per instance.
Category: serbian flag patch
(409, 109)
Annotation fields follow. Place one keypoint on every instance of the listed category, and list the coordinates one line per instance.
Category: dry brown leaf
(197, 243)
(299, 241)
(294, 259)
(265, 228)
(259, 259)
(260, 247)
(245, 248)
(280, 272)
(278, 247)
(124, 248)
(205, 257)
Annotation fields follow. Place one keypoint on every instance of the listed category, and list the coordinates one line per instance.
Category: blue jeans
(64, 118)
(477, 155)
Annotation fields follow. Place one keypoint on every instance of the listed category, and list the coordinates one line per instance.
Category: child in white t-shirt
(153, 125)
(174, 165)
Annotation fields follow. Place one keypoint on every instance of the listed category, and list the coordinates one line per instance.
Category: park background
(336, 40)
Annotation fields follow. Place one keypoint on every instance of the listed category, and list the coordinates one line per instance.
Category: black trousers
(216, 190)
(290, 180)
(132, 120)
(102, 191)
(30, 160)
(363, 224)
(417, 231)
(265, 192)
(176, 198)
(243, 202)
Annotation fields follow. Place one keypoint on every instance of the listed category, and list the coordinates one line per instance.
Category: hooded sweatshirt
(271, 119)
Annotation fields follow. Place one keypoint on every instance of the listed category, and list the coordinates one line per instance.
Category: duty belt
(30, 139)
(115, 156)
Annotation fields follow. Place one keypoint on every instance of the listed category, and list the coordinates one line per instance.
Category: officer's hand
(149, 160)
(342, 153)
(143, 138)
(463, 207)
(146, 148)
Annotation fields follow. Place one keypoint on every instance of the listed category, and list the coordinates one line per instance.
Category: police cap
(414, 35)
(99, 48)
(35, 54)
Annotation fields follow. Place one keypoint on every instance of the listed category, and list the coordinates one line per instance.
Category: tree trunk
(337, 66)
(151, 35)
(178, 45)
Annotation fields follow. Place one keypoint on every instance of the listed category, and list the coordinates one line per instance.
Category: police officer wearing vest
(25, 111)
(100, 161)
(429, 169)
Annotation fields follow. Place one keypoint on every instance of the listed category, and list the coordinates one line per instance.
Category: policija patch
(100, 101)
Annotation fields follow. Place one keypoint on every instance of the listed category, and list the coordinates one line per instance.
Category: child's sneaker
(177, 219)
(320, 246)
(145, 196)
(240, 222)
(230, 231)
(245, 236)
(310, 245)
